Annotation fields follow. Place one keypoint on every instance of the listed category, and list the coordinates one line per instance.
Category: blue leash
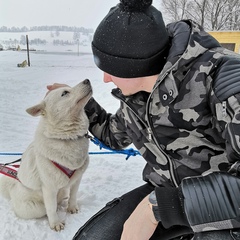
(129, 152)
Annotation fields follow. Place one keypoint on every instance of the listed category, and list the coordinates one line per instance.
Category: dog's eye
(65, 93)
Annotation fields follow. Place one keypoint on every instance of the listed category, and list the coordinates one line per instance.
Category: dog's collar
(65, 170)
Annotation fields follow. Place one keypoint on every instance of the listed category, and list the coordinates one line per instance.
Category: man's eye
(65, 93)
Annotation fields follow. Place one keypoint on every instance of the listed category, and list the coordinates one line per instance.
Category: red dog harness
(65, 170)
(11, 171)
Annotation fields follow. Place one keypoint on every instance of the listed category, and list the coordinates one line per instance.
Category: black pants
(107, 224)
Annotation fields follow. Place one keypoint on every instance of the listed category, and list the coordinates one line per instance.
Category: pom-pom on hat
(131, 41)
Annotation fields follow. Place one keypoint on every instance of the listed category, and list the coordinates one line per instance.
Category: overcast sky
(79, 13)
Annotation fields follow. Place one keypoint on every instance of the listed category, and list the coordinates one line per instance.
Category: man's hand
(141, 224)
(55, 86)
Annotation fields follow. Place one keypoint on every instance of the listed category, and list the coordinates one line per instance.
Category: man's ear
(37, 110)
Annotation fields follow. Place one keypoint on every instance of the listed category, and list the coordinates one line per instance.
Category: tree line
(77, 39)
(47, 28)
(212, 15)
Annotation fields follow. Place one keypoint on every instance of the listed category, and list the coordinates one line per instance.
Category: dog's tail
(6, 184)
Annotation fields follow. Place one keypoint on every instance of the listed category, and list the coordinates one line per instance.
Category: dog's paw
(73, 210)
(57, 226)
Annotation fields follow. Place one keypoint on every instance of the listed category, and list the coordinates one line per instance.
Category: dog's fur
(60, 137)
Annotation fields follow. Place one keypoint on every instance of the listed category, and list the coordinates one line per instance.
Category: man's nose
(107, 77)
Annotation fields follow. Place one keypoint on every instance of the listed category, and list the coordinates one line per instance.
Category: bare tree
(210, 14)
(175, 10)
(218, 14)
(233, 22)
(197, 10)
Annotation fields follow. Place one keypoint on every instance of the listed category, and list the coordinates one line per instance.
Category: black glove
(204, 203)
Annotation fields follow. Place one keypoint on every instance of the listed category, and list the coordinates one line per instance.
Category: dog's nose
(86, 81)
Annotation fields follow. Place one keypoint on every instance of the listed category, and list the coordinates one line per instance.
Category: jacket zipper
(151, 137)
(151, 132)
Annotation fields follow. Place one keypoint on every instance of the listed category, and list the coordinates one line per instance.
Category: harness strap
(65, 170)
(8, 171)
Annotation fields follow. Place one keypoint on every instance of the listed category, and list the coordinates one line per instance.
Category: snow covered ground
(107, 177)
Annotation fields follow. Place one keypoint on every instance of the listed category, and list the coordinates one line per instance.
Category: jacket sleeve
(226, 99)
(108, 128)
(204, 203)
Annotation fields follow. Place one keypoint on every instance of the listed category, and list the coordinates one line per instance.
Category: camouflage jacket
(189, 124)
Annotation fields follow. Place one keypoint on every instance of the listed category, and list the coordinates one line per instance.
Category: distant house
(1, 47)
(228, 39)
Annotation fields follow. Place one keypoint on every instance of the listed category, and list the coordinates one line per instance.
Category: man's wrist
(154, 206)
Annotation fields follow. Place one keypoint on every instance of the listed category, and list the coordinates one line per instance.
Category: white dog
(52, 166)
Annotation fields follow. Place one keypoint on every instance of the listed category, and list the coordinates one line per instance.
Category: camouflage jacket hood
(187, 126)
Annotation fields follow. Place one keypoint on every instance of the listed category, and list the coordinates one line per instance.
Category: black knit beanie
(131, 41)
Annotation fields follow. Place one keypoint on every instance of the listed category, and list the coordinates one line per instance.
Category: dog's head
(63, 104)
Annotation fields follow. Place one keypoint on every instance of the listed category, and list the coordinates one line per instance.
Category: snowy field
(107, 177)
(11, 40)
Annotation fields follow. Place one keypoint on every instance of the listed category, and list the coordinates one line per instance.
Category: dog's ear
(37, 110)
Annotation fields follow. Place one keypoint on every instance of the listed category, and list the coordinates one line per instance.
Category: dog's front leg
(50, 202)
(73, 207)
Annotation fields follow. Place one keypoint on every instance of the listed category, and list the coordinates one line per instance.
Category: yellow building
(229, 40)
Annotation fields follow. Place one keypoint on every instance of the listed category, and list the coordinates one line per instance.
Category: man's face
(128, 86)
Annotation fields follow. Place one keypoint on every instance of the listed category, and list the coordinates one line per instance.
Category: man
(179, 93)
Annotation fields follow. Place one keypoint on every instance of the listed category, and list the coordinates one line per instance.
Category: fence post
(28, 51)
